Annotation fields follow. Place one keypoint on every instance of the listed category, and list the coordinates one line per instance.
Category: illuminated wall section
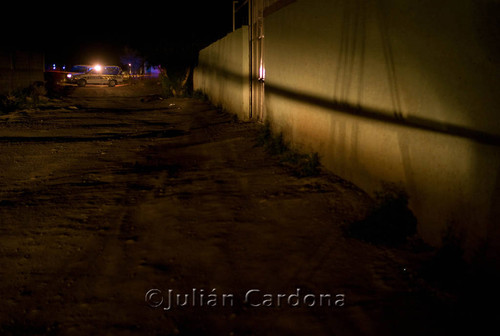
(222, 72)
(400, 91)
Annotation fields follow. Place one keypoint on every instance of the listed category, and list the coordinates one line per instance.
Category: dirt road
(117, 208)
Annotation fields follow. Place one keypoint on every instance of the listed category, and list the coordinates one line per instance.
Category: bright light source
(97, 67)
(68, 75)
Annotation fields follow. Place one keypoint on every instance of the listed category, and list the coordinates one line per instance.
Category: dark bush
(22, 98)
(390, 222)
(299, 164)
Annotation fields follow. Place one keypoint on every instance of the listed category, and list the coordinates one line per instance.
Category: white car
(76, 70)
(108, 75)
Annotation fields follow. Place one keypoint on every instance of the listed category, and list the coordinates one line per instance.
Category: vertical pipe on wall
(250, 53)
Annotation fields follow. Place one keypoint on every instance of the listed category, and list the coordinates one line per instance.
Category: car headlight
(69, 75)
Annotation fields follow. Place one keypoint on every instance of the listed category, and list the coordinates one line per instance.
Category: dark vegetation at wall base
(390, 222)
(198, 94)
(177, 84)
(299, 164)
(28, 97)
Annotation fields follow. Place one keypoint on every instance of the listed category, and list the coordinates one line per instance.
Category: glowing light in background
(97, 67)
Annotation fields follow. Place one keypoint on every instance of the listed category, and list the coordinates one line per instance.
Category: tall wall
(19, 69)
(399, 91)
(222, 72)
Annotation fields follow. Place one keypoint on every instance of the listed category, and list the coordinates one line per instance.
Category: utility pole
(234, 15)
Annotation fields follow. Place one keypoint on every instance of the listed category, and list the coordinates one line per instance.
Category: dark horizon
(74, 35)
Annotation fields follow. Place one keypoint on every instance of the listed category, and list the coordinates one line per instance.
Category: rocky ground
(116, 206)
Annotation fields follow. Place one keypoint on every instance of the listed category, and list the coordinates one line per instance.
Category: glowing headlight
(68, 75)
(98, 67)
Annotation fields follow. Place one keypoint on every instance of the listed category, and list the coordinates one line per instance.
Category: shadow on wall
(368, 113)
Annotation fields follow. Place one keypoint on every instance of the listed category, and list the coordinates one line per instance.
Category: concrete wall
(222, 72)
(19, 69)
(400, 91)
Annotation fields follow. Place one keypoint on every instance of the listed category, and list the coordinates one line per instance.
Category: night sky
(88, 32)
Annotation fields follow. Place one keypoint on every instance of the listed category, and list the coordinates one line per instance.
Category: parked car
(109, 75)
(77, 70)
